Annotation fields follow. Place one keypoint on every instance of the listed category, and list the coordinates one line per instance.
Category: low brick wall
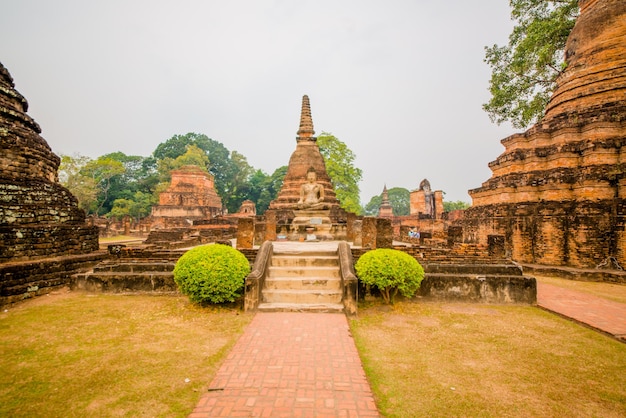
(26, 279)
(480, 289)
(467, 273)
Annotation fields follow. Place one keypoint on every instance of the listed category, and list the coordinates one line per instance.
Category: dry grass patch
(76, 355)
(462, 360)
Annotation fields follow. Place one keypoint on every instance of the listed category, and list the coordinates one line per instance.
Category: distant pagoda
(385, 210)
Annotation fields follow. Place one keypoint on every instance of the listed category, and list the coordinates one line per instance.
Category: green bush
(211, 273)
(390, 271)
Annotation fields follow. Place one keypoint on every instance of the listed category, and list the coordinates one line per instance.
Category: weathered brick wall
(21, 243)
(576, 234)
(21, 280)
(557, 191)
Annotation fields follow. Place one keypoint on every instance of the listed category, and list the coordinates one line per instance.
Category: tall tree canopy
(340, 167)
(263, 188)
(399, 199)
(524, 71)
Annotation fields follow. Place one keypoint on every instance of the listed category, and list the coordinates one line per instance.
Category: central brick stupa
(306, 206)
(306, 157)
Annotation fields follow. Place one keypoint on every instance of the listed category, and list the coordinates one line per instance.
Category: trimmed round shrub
(211, 273)
(391, 271)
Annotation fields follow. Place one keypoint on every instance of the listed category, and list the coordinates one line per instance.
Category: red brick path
(291, 365)
(599, 313)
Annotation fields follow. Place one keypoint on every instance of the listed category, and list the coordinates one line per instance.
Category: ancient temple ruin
(191, 196)
(557, 192)
(306, 205)
(426, 203)
(39, 219)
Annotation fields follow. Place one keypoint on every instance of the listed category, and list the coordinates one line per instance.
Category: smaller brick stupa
(306, 205)
(385, 210)
(191, 196)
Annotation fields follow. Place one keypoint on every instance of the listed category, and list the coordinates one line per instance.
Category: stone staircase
(302, 282)
(123, 275)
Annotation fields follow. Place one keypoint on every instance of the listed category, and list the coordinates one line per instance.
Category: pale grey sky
(400, 82)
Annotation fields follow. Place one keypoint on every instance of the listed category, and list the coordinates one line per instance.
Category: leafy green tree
(459, 204)
(83, 187)
(177, 145)
(399, 199)
(138, 207)
(524, 71)
(137, 176)
(340, 167)
(192, 156)
(101, 171)
(264, 188)
(236, 187)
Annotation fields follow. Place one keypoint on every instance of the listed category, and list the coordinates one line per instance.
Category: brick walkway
(306, 364)
(291, 365)
(596, 312)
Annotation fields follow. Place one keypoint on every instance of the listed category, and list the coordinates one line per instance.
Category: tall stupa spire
(306, 122)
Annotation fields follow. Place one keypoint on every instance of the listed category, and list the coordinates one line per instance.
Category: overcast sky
(400, 82)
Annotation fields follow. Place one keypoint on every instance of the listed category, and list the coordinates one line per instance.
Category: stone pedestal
(311, 225)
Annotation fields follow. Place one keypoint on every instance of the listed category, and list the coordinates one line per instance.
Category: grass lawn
(471, 360)
(77, 355)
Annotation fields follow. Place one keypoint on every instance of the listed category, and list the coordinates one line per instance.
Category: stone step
(301, 307)
(120, 282)
(305, 254)
(301, 296)
(299, 283)
(313, 271)
(305, 261)
(469, 269)
(134, 266)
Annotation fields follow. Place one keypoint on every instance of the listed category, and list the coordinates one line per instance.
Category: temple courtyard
(72, 353)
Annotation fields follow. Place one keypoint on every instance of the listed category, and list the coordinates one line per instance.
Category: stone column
(368, 232)
(270, 225)
(350, 218)
(245, 233)
(384, 233)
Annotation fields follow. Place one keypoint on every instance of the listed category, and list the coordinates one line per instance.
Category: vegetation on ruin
(525, 70)
(456, 359)
(211, 273)
(339, 160)
(76, 355)
(390, 271)
(399, 199)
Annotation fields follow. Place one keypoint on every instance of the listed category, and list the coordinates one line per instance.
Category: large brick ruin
(190, 197)
(557, 192)
(40, 221)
